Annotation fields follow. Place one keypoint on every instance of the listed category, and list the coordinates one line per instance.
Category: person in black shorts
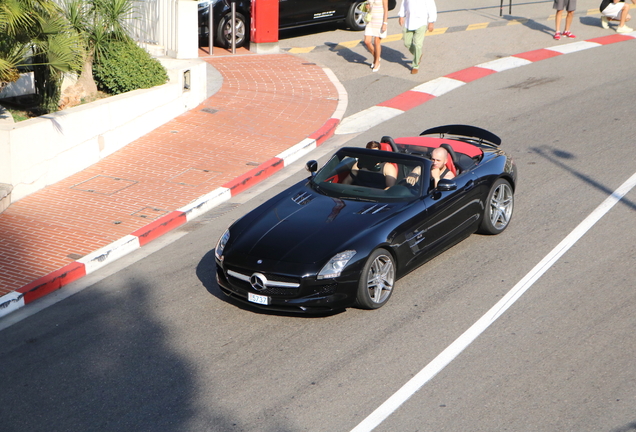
(559, 5)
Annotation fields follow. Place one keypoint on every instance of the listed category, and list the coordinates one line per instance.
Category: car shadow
(206, 273)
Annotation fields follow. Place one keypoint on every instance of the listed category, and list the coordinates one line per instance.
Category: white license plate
(260, 299)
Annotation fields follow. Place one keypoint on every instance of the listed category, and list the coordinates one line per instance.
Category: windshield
(372, 175)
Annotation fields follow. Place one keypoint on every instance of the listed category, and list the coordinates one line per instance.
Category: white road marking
(461, 343)
(439, 86)
(574, 47)
(505, 63)
(364, 120)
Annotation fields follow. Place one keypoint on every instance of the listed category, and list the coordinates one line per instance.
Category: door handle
(469, 185)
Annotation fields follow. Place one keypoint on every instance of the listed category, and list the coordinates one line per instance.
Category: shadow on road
(103, 364)
(556, 156)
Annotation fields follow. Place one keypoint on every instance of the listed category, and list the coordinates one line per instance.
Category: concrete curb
(127, 244)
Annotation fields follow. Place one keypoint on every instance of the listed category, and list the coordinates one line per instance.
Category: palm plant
(98, 22)
(35, 33)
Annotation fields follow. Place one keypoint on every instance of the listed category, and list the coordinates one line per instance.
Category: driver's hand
(412, 178)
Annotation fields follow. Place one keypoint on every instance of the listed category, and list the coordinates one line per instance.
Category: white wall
(24, 85)
(41, 151)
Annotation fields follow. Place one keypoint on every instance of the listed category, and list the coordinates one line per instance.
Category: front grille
(326, 289)
(241, 279)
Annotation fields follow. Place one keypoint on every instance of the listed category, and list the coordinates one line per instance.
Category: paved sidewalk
(266, 105)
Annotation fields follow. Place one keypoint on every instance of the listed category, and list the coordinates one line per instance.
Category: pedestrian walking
(376, 29)
(560, 5)
(416, 17)
(616, 10)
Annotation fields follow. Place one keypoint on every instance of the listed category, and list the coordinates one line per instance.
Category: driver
(439, 157)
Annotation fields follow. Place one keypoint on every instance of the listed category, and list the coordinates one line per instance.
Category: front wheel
(224, 31)
(499, 206)
(376, 281)
(355, 17)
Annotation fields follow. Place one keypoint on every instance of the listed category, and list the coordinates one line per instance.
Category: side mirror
(312, 167)
(445, 185)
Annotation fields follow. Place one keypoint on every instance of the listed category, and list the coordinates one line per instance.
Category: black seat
(389, 140)
(452, 155)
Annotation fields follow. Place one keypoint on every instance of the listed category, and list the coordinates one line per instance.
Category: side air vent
(303, 198)
(374, 209)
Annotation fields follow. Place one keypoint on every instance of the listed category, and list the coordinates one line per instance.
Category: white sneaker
(604, 22)
(624, 29)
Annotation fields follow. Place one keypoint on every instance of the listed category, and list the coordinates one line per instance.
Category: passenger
(389, 170)
(439, 157)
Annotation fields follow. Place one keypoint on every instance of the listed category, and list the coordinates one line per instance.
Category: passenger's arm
(390, 174)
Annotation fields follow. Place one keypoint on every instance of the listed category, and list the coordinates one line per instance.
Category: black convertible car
(337, 239)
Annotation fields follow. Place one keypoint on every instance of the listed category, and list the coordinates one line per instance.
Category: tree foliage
(35, 33)
(126, 66)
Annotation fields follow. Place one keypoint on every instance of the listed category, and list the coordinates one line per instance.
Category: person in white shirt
(416, 17)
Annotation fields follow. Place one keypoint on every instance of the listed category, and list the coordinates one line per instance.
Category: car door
(454, 212)
(439, 218)
(302, 12)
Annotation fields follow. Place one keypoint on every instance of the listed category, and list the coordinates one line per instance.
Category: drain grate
(210, 110)
(194, 177)
(104, 185)
(150, 213)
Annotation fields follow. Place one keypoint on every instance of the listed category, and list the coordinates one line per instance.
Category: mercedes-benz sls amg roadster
(345, 235)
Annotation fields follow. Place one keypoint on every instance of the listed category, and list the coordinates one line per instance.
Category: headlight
(220, 245)
(336, 264)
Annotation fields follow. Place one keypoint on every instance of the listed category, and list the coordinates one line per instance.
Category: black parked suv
(292, 13)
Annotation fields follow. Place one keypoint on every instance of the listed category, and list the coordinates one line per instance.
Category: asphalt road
(152, 344)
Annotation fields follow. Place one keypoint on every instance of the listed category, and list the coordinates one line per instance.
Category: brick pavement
(267, 104)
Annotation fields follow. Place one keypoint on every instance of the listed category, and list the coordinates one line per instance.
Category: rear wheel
(355, 17)
(377, 280)
(499, 206)
(224, 31)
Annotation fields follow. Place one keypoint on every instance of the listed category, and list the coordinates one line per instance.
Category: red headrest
(385, 146)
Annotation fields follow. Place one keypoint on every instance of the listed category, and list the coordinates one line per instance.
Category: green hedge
(125, 67)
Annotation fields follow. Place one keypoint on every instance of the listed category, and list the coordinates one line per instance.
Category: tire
(224, 31)
(499, 206)
(355, 17)
(376, 281)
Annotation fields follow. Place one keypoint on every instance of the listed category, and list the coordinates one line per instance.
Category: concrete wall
(24, 85)
(39, 152)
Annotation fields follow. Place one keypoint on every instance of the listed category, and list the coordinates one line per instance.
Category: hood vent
(375, 209)
(303, 198)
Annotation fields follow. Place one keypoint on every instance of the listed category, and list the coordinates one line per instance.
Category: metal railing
(155, 22)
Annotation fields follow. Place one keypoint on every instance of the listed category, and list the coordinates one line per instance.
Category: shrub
(125, 67)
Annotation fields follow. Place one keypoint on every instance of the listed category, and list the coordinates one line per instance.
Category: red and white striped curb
(365, 120)
(125, 245)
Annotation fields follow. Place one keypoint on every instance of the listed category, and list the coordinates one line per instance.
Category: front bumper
(297, 294)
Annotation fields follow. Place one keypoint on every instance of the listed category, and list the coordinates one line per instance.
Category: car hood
(307, 227)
